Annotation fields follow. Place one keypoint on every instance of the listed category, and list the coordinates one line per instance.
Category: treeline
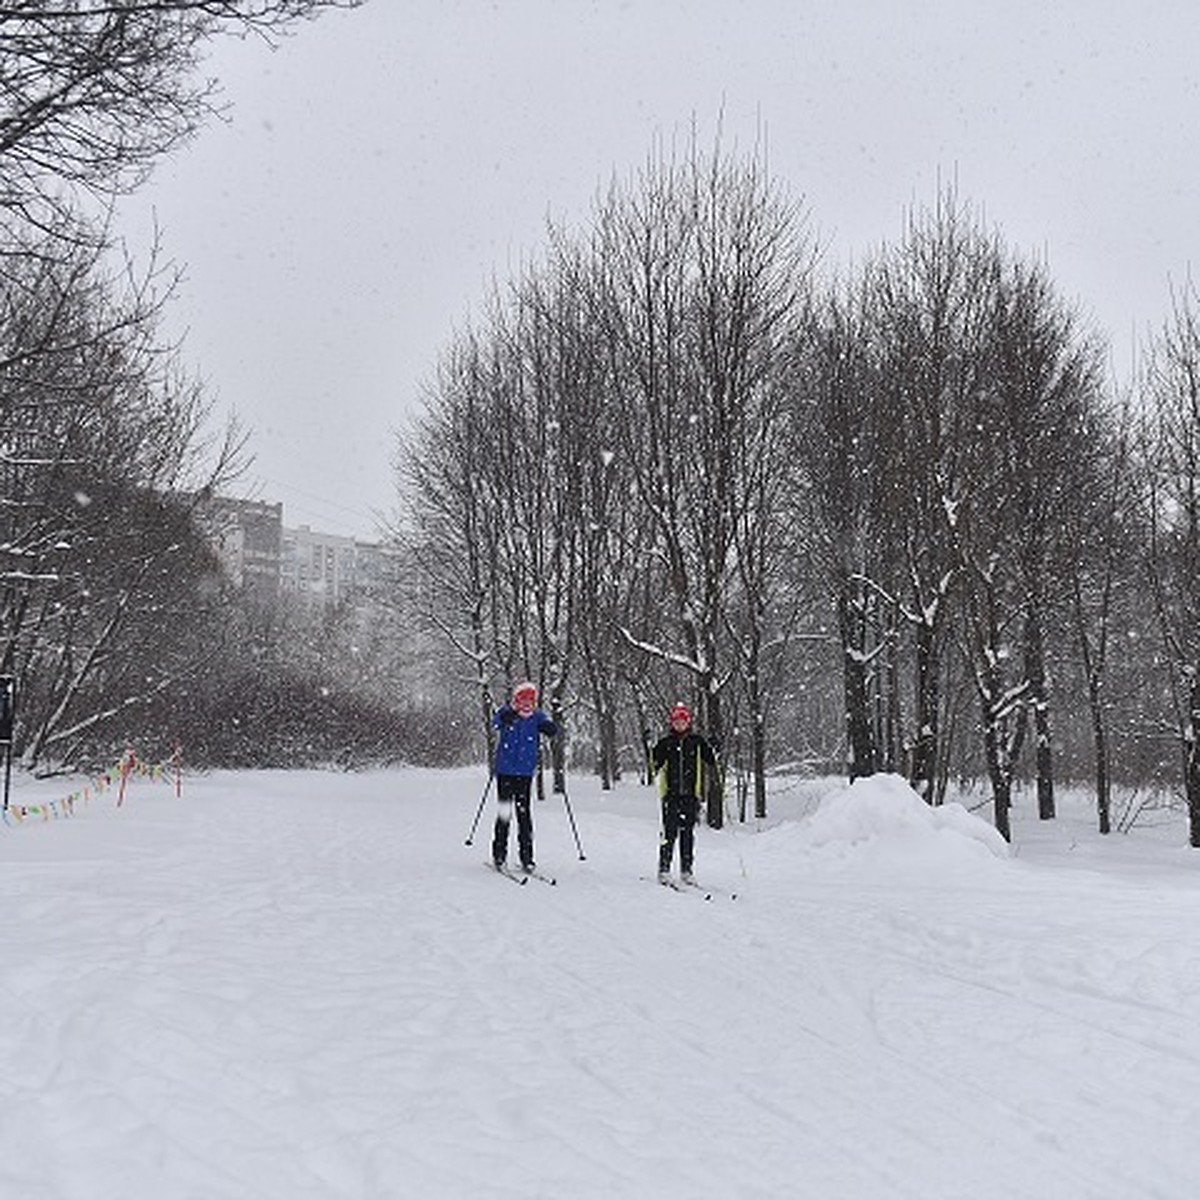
(900, 520)
(895, 521)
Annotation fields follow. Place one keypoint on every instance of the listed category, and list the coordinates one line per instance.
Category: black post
(8, 708)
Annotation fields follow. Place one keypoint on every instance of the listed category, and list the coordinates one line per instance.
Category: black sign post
(8, 709)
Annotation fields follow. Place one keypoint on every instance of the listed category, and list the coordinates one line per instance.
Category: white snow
(291, 986)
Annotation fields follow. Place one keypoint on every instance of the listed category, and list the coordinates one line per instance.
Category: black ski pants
(679, 815)
(512, 791)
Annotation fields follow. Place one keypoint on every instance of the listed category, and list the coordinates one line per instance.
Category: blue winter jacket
(516, 753)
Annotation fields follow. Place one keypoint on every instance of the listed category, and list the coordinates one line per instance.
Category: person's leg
(668, 830)
(689, 810)
(524, 822)
(504, 809)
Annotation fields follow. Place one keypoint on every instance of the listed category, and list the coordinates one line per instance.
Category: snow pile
(883, 820)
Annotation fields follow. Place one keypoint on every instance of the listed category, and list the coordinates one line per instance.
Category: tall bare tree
(847, 440)
(1171, 451)
(96, 91)
(1044, 422)
(451, 521)
(97, 428)
(1101, 575)
(932, 305)
(704, 266)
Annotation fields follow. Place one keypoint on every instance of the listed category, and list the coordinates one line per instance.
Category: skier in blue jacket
(519, 723)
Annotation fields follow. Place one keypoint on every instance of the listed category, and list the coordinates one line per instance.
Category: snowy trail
(285, 987)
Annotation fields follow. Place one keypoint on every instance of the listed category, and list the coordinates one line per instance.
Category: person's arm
(658, 756)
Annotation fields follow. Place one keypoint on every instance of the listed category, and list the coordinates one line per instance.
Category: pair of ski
(521, 877)
(679, 885)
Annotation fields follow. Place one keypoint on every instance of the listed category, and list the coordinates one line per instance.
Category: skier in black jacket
(679, 760)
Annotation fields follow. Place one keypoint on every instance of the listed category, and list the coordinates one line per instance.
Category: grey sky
(383, 165)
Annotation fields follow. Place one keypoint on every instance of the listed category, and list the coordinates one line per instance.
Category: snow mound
(883, 818)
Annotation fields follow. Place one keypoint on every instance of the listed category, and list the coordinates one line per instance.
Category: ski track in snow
(301, 986)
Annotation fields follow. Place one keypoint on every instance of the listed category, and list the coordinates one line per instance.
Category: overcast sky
(382, 166)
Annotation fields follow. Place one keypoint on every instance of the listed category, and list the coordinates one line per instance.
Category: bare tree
(1044, 418)
(846, 439)
(544, 441)
(95, 91)
(1171, 450)
(931, 299)
(703, 269)
(1100, 574)
(97, 427)
(451, 523)
(754, 282)
(101, 446)
(592, 480)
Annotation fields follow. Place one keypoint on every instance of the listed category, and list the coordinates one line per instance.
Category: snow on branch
(659, 652)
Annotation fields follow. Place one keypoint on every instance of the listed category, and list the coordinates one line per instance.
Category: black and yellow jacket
(679, 762)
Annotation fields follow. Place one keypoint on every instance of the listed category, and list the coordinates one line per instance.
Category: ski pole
(571, 818)
(479, 810)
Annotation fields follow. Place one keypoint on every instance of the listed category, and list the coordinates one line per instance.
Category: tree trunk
(1035, 673)
(1094, 659)
(758, 736)
(610, 758)
(859, 736)
(759, 752)
(1100, 749)
(924, 756)
(1000, 774)
(1103, 782)
(715, 798)
(892, 719)
(1192, 749)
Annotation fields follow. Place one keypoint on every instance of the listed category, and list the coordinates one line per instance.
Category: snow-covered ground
(306, 987)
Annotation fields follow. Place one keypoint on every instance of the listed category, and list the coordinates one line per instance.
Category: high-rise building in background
(247, 536)
(322, 570)
(268, 560)
(376, 594)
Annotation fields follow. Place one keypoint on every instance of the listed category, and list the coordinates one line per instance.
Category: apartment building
(323, 570)
(248, 536)
(268, 560)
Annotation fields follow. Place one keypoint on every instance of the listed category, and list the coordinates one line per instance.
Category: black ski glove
(508, 715)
